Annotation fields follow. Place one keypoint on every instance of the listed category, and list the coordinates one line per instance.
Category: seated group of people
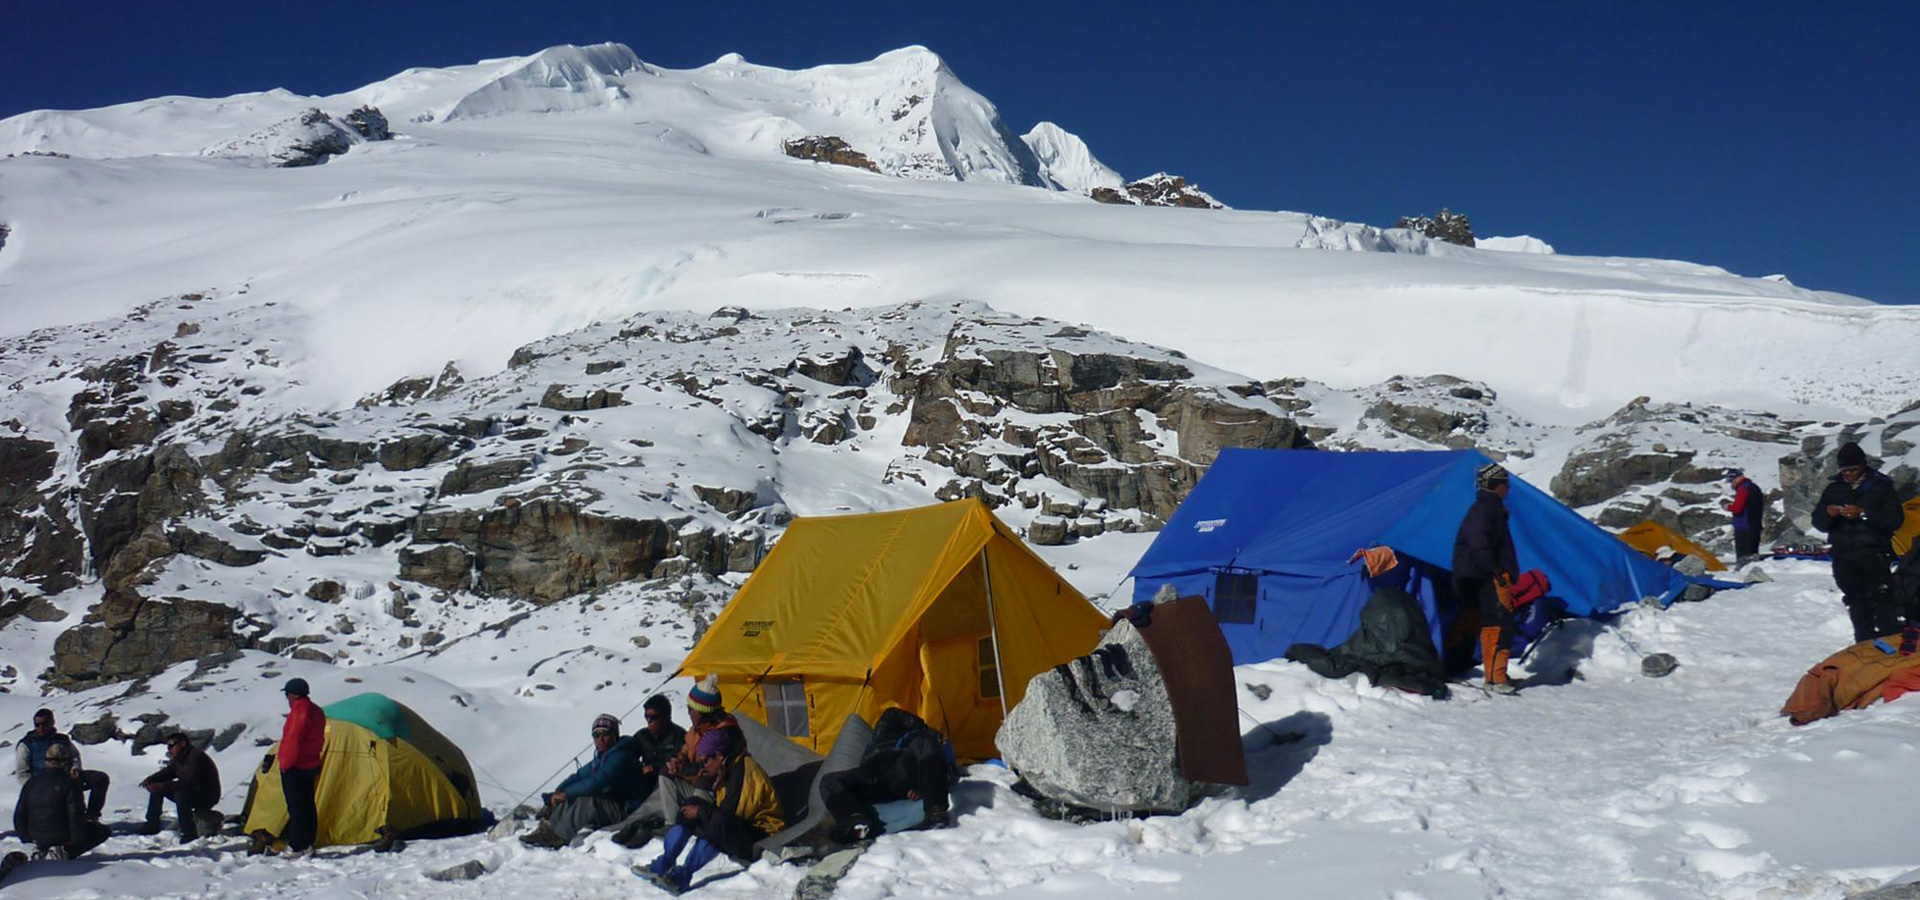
(699, 787)
(61, 801)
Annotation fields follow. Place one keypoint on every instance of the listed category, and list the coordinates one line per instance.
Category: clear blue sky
(1764, 137)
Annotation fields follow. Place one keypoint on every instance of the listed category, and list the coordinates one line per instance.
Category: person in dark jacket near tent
(1484, 566)
(1860, 511)
(597, 794)
(908, 760)
(1748, 505)
(301, 742)
(29, 757)
(50, 814)
(191, 780)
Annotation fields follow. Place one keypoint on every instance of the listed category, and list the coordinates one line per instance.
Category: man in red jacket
(300, 743)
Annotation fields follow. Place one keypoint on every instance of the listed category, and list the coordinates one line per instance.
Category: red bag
(1530, 586)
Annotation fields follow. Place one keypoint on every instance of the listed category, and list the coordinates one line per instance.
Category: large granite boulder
(1099, 732)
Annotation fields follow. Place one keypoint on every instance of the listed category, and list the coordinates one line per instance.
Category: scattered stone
(326, 591)
(466, 871)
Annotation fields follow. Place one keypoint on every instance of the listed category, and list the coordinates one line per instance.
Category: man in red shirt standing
(300, 743)
(1748, 507)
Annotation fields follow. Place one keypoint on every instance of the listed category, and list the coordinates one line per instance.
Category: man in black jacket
(191, 781)
(30, 754)
(1860, 511)
(51, 814)
(907, 761)
(1484, 564)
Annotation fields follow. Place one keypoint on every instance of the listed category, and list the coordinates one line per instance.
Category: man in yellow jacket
(744, 810)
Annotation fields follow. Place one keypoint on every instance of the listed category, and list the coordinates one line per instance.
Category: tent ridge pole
(993, 627)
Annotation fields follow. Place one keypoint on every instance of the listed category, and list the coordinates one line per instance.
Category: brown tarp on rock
(1850, 679)
(1197, 666)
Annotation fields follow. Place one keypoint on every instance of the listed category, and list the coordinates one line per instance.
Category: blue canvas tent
(1266, 536)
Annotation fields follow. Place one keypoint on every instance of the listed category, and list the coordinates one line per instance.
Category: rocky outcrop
(1890, 446)
(42, 546)
(558, 397)
(126, 636)
(369, 123)
(827, 148)
(1099, 732)
(1135, 437)
(1159, 189)
(541, 550)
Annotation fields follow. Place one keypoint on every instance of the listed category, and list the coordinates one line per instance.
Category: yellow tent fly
(940, 610)
(1648, 537)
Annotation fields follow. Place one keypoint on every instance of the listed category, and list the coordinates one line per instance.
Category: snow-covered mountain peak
(558, 79)
(1068, 161)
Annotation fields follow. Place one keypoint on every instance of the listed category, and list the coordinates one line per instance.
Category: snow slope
(465, 238)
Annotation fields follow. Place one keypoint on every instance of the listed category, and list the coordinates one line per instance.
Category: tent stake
(993, 627)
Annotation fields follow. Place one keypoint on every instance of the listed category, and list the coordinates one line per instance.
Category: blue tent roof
(1294, 517)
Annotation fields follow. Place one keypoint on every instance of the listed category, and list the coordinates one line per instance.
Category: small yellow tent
(940, 610)
(381, 766)
(1648, 537)
(1909, 529)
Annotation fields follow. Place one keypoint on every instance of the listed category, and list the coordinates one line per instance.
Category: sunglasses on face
(655, 717)
(601, 734)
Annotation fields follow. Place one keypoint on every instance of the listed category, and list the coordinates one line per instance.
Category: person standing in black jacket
(1860, 511)
(51, 814)
(191, 780)
(1484, 564)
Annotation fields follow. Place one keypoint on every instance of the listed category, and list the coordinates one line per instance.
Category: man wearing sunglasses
(1860, 511)
(596, 795)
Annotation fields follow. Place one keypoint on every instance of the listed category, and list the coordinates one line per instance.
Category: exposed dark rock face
(47, 549)
(472, 478)
(827, 148)
(557, 397)
(1158, 189)
(540, 550)
(127, 636)
(370, 123)
(1106, 450)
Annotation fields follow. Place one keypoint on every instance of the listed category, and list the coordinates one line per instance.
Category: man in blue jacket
(1860, 510)
(597, 794)
(1484, 565)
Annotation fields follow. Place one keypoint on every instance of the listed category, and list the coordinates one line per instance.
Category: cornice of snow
(1066, 159)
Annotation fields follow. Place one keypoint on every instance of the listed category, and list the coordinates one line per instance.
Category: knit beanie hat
(705, 696)
(717, 742)
(1852, 455)
(1490, 475)
(606, 722)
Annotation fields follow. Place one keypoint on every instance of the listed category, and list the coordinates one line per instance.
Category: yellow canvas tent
(941, 610)
(1648, 537)
(381, 766)
(1909, 529)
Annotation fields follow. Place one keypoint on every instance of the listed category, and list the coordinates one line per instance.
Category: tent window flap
(1234, 597)
(787, 707)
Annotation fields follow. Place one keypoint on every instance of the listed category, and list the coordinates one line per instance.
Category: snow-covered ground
(1593, 782)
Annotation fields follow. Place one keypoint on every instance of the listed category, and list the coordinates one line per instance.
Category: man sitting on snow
(596, 795)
